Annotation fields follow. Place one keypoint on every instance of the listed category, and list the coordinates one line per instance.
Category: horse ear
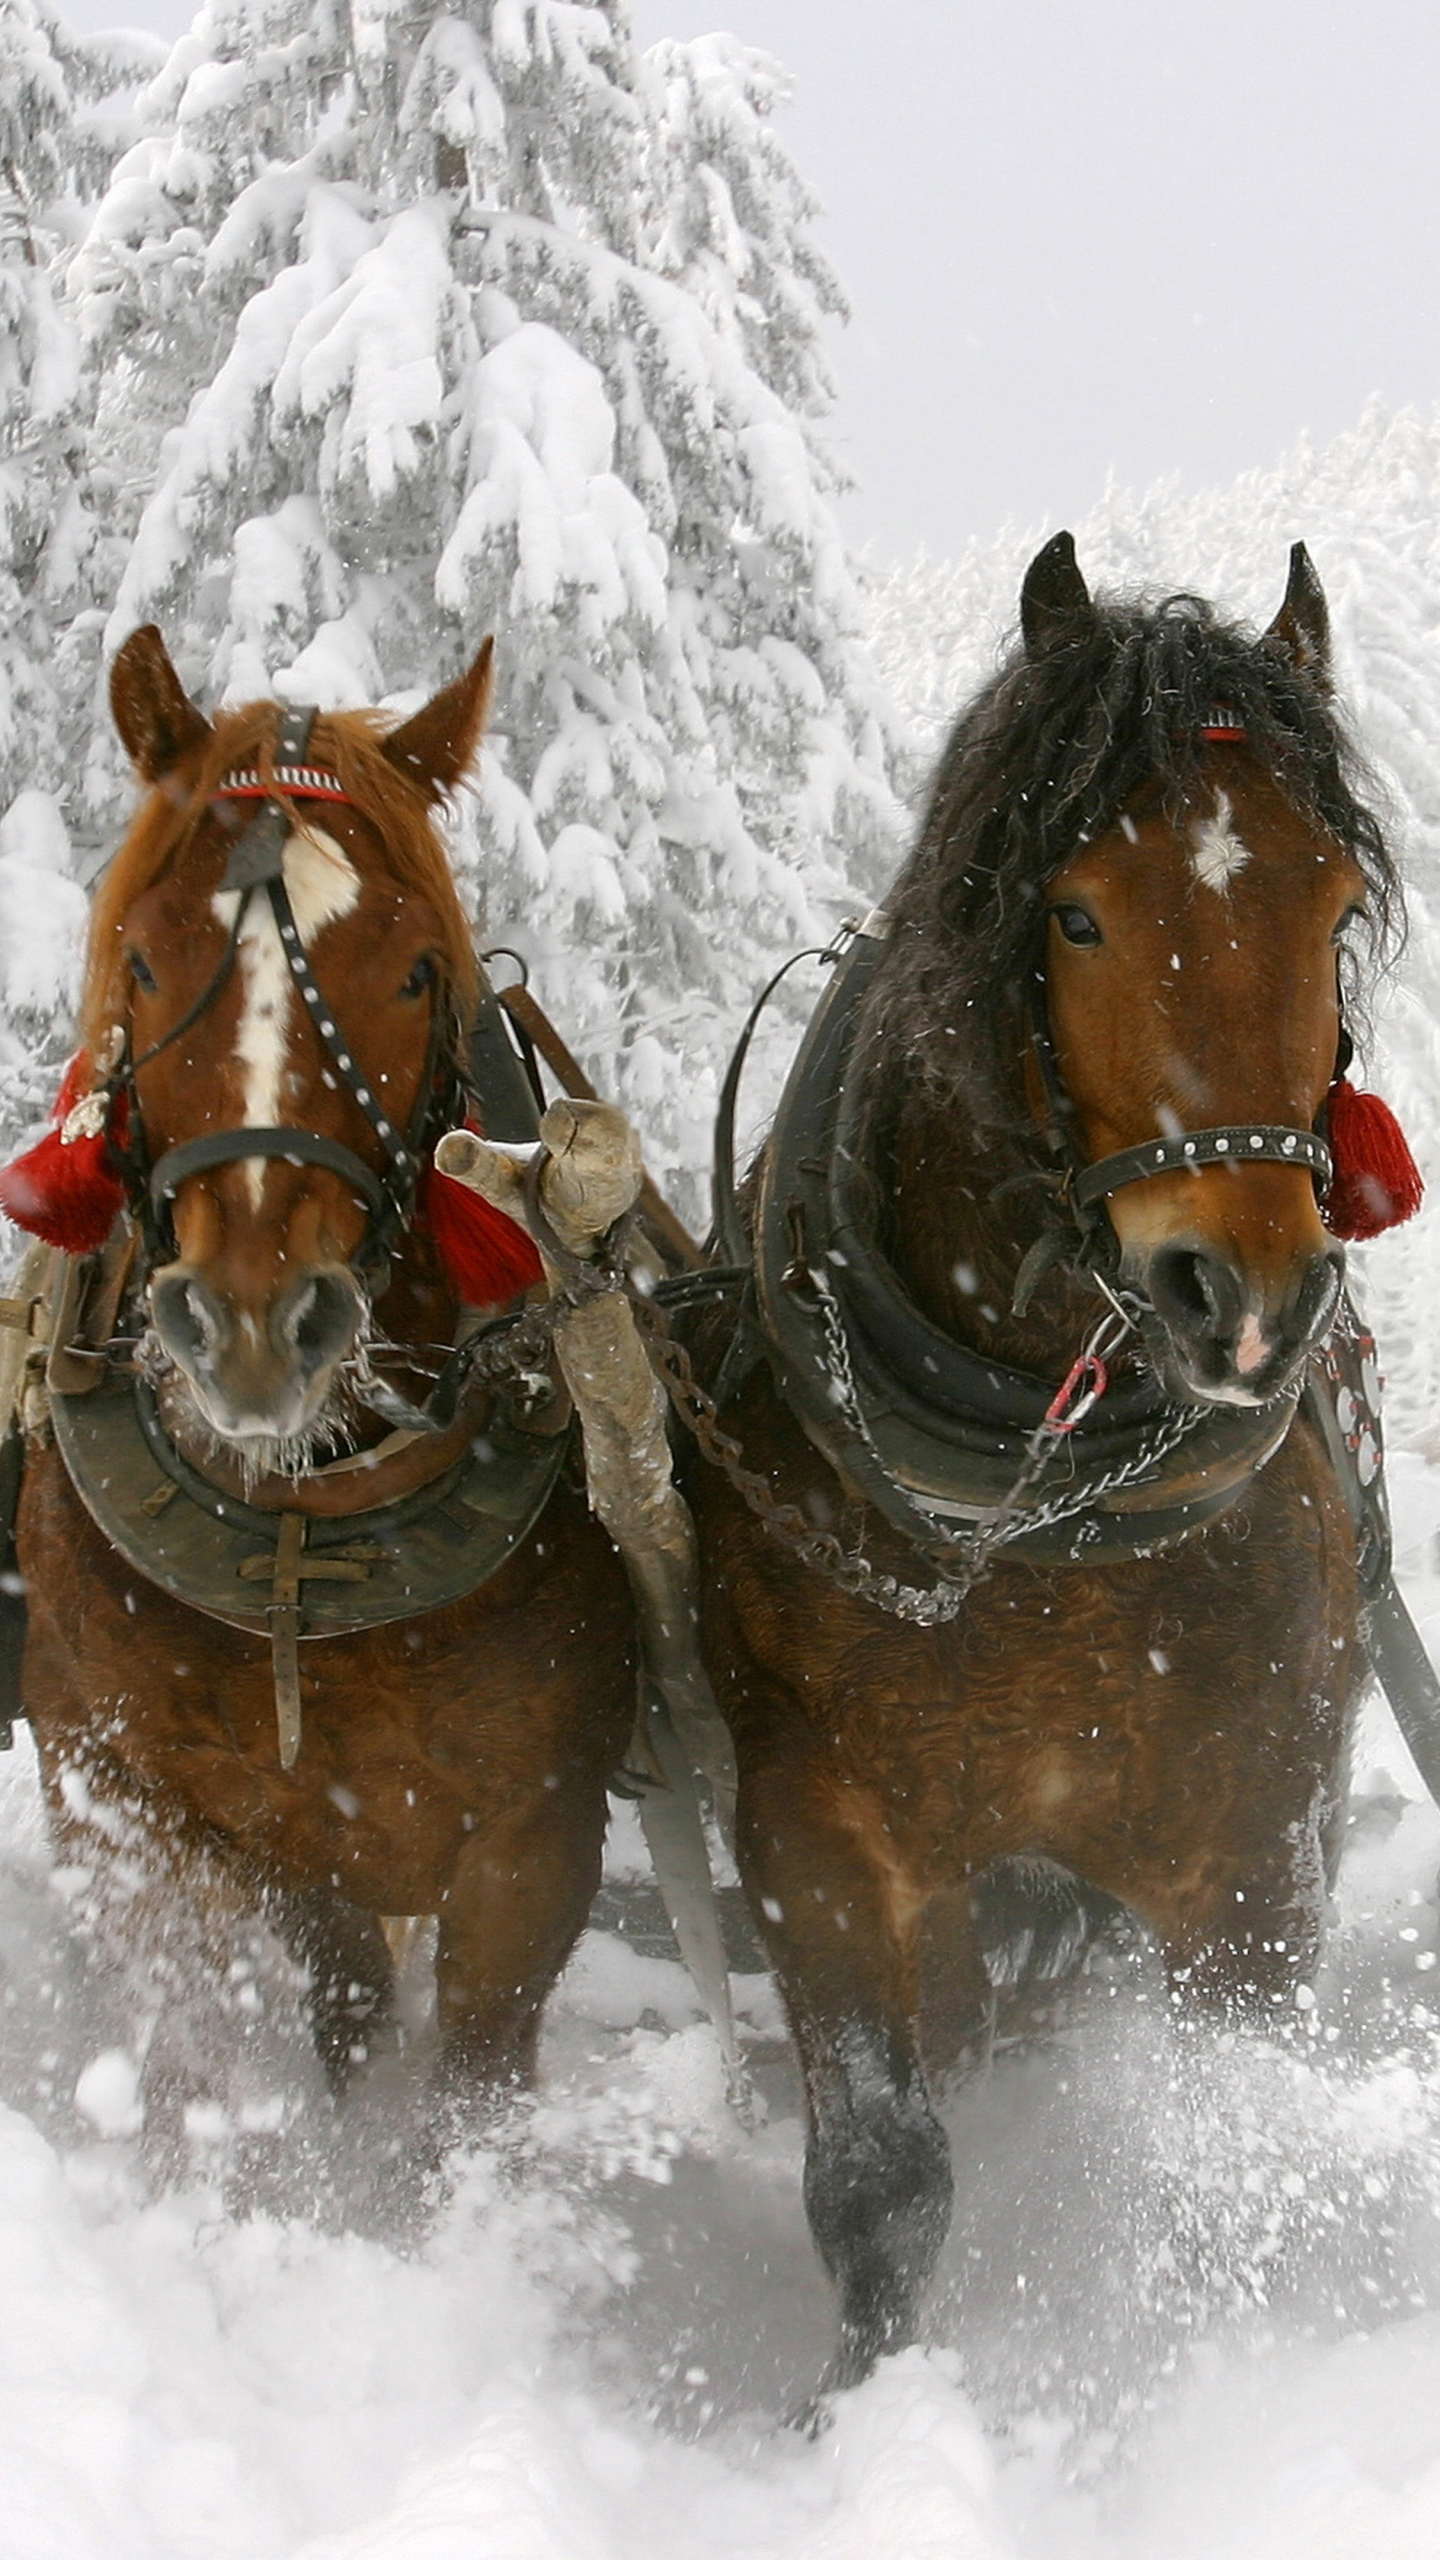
(438, 745)
(157, 721)
(1301, 628)
(1054, 597)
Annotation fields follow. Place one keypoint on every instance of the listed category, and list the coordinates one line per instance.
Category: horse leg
(842, 1927)
(348, 1969)
(958, 1989)
(517, 1901)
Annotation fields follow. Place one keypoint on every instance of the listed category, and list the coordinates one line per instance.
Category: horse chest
(411, 1745)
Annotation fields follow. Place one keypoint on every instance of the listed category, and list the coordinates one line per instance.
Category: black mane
(1050, 753)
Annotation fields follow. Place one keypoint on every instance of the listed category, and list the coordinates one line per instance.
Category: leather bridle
(256, 867)
(1088, 1183)
(1233, 1143)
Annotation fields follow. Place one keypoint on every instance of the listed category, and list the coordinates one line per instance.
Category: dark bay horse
(270, 1105)
(1066, 1645)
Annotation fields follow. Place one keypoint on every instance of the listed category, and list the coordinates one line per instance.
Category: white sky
(1085, 237)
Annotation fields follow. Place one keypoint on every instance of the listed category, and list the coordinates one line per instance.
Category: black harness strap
(731, 1239)
(291, 1146)
(399, 1153)
(1233, 1143)
(1243, 1142)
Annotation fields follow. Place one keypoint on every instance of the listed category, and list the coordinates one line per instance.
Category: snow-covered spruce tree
(728, 216)
(59, 129)
(446, 323)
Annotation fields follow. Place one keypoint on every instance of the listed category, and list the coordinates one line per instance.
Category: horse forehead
(1258, 856)
(321, 883)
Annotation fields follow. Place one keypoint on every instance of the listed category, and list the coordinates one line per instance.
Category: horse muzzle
(261, 1373)
(1216, 1334)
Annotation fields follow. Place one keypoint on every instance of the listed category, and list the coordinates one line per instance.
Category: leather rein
(256, 866)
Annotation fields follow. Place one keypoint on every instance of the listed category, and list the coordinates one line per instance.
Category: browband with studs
(1221, 724)
(307, 781)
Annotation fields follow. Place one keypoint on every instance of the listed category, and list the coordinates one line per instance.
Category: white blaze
(1215, 849)
(322, 883)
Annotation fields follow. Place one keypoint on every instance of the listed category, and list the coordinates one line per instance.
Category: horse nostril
(1311, 1311)
(320, 1320)
(1195, 1290)
(186, 1317)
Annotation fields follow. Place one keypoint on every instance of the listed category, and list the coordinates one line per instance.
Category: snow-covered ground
(1191, 2303)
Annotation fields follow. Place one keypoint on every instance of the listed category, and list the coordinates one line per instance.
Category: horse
(1050, 1609)
(276, 1013)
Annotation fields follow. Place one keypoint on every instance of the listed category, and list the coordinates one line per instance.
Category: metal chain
(519, 1348)
(960, 1558)
(820, 1549)
(1006, 1521)
(523, 1346)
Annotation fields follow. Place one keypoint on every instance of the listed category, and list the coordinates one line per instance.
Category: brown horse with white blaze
(276, 1030)
(1061, 1118)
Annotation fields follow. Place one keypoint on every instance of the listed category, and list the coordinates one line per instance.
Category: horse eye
(142, 973)
(1077, 926)
(423, 975)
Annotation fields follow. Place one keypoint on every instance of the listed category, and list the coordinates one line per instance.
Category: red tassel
(1377, 1182)
(485, 1256)
(69, 1195)
(66, 1194)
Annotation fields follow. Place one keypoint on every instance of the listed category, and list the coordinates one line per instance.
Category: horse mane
(400, 806)
(1049, 754)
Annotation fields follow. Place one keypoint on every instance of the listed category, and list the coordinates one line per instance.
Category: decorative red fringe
(485, 1256)
(68, 1196)
(1377, 1183)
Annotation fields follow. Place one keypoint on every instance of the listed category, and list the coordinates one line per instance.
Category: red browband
(306, 781)
(1221, 724)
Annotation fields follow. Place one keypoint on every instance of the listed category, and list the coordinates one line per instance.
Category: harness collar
(937, 1428)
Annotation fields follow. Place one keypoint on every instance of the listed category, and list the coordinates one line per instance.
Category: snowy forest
(336, 337)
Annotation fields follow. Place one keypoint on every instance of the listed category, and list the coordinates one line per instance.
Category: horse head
(1192, 998)
(279, 1018)
(1108, 1032)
